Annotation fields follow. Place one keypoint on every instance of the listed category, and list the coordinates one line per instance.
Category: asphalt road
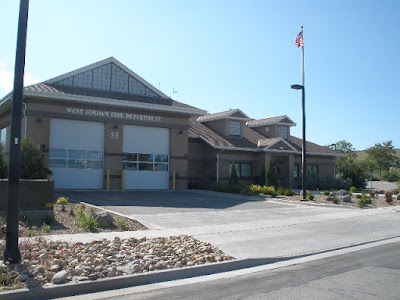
(366, 274)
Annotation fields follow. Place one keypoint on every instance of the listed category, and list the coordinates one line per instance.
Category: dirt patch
(67, 221)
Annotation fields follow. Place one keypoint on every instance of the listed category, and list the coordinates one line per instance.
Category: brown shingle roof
(310, 147)
(249, 139)
(236, 113)
(269, 121)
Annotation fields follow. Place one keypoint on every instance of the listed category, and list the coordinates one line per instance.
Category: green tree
(384, 155)
(233, 178)
(344, 162)
(32, 162)
(3, 163)
(272, 176)
(347, 165)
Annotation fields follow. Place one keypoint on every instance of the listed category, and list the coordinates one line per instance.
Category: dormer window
(283, 132)
(234, 128)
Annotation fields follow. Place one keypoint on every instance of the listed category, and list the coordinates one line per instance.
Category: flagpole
(303, 152)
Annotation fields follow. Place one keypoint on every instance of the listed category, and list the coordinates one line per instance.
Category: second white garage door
(146, 157)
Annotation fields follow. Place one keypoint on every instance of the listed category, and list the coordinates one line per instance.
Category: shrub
(234, 178)
(358, 196)
(46, 228)
(32, 162)
(272, 175)
(392, 176)
(353, 189)
(88, 222)
(227, 188)
(289, 192)
(266, 190)
(326, 193)
(62, 201)
(388, 196)
(335, 200)
(123, 225)
(281, 191)
(263, 175)
(246, 191)
(310, 196)
(364, 201)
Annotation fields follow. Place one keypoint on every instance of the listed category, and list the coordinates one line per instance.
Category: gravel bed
(47, 262)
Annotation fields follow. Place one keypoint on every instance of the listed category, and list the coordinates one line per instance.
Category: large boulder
(60, 277)
(103, 218)
(342, 193)
(346, 199)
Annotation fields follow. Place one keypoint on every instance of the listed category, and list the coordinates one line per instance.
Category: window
(145, 162)
(283, 132)
(312, 169)
(75, 159)
(243, 170)
(234, 128)
(296, 171)
(3, 137)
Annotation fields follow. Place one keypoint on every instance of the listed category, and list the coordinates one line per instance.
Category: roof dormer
(273, 127)
(228, 123)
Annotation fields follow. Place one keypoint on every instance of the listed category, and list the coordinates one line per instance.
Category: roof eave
(113, 102)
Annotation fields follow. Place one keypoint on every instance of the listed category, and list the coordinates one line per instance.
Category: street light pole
(12, 254)
(303, 152)
(303, 146)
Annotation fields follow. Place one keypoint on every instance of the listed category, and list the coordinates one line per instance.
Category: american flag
(299, 39)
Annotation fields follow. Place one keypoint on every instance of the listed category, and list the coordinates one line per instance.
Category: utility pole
(12, 254)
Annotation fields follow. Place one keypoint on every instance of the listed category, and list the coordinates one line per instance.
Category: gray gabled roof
(279, 120)
(120, 79)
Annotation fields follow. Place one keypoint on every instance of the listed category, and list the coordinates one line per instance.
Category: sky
(227, 54)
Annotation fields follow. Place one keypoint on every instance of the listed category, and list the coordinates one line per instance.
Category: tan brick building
(103, 126)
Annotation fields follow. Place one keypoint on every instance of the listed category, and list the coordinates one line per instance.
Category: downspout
(218, 163)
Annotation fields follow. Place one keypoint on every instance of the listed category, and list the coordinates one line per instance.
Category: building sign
(111, 114)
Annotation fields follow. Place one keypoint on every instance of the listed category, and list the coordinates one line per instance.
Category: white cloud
(7, 76)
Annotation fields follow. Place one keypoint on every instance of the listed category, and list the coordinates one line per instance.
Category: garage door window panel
(58, 158)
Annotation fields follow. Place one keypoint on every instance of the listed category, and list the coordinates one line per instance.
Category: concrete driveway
(250, 227)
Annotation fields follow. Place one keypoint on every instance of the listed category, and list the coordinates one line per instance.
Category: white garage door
(76, 154)
(146, 157)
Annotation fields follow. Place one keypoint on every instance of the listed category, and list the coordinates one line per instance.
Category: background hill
(362, 155)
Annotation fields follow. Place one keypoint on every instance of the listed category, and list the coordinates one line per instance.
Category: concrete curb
(106, 284)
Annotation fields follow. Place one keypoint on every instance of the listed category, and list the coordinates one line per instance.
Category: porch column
(267, 159)
(291, 170)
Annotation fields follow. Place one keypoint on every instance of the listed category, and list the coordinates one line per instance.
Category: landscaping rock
(342, 193)
(398, 197)
(346, 199)
(60, 277)
(103, 218)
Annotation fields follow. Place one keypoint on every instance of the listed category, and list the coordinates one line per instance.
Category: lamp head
(296, 86)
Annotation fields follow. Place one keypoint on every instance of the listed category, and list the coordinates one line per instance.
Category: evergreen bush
(234, 178)
(272, 176)
(32, 162)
